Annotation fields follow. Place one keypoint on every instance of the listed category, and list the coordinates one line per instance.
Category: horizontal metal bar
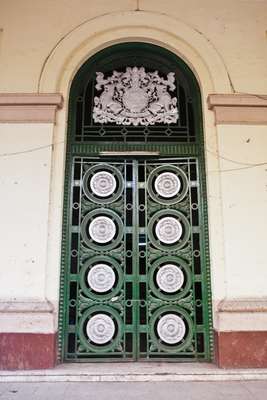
(172, 149)
(129, 153)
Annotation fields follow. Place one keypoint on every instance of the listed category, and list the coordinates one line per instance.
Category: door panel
(135, 286)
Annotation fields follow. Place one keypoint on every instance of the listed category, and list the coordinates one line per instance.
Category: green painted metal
(135, 303)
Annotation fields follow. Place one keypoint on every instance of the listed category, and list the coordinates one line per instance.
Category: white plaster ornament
(101, 278)
(103, 184)
(102, 229)
(100, 328)
(168, 230)
(171, 328)
(167, 184)
(135, 97)
(170, 278)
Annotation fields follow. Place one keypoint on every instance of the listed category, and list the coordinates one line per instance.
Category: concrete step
(134, 372)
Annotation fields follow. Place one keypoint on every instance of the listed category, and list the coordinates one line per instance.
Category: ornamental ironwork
(169, 230)
(171, 328)
(101, 278)
(170, 278)
(135, 286)
(135, 97)
(167, 184)
(102, 229)
(103, 184)
(136, 270)
(100, 329)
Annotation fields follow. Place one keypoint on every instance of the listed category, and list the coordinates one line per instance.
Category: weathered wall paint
(225, 45)
(236, 29)
(25, 183)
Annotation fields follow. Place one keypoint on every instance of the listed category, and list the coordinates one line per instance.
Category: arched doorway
(135, 270)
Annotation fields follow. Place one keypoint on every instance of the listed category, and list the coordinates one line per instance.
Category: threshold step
(134, 372)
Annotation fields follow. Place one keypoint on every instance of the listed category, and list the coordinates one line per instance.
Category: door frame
(167, 150)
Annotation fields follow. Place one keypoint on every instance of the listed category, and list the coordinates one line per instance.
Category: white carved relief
(167, 184)
(171, 328)
(169, 230)
(100, 328)
(103, 184)
(170, 278)
(102, 229)
(101, 278)
(135, 97)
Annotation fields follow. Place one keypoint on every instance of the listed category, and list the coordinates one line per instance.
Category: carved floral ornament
(135, 97)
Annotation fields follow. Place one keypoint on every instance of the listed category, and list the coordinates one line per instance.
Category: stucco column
(27, 316)
(241, 317)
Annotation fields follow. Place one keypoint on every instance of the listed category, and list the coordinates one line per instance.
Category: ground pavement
(233, 390)
(134, 381)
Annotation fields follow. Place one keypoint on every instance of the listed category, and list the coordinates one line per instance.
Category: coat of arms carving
(135, 97)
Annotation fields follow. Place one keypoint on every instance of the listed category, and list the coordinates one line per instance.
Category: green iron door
(135, 285)
(135, 281)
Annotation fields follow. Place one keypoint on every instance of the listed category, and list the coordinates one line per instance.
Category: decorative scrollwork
(102, 229)
(100, 328)
(135, 97)
(169, 278)
(171, 328)
(103, 183)
(167, 184)
(94, 285)
(168, 232)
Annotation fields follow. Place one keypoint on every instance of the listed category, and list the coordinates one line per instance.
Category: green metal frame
(172, 151)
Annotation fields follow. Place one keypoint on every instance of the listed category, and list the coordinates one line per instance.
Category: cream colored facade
(42, 45)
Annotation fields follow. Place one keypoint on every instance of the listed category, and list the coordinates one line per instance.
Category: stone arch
(100, 32)
(93, 35)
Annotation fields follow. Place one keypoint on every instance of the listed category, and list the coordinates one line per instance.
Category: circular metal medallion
(100, 328)
(169, 230)
(167, 184)
(102, 229)
(103, 184)
(171, 328)
(101, 278)
(170, 278)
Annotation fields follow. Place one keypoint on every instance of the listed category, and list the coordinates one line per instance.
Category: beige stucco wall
(244, 190)
(25, 180)
(31, 30)
(42, 44)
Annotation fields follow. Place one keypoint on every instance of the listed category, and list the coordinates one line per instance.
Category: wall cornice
(243, 305)
(27, 317)
(247, 109)
(29, 107)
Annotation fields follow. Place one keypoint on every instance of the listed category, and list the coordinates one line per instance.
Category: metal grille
(116, 302)
(136, 303)
(82, 103)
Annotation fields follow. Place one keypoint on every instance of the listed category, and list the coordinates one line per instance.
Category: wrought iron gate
(135, 286)
(135, 278)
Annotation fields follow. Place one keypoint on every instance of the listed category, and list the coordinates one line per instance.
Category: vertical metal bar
(124, 255)
(147, 258)
(205, 260)
(135, 261)
(189, 162)
(67, 281)
(82, 161)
